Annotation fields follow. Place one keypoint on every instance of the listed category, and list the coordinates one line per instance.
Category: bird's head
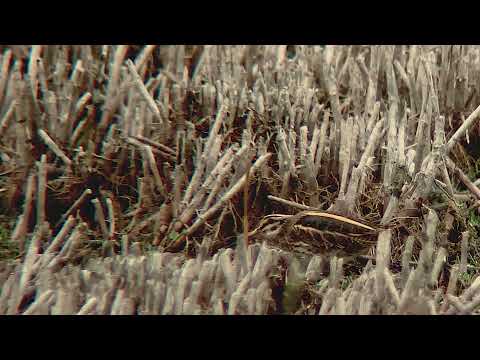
(271, 227)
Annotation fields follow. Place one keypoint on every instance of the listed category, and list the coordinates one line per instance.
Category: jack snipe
(316, 233)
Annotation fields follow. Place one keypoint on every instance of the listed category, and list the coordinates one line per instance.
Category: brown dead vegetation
(109, 151)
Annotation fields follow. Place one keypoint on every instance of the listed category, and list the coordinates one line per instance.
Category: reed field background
(130, 175)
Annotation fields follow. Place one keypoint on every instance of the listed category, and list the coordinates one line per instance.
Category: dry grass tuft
(117, 162)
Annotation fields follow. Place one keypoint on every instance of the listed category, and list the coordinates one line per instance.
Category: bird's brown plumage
(316, 233)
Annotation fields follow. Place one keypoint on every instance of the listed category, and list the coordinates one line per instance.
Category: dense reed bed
(131, 174)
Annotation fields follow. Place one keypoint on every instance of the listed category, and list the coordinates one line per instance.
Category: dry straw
(163, 154)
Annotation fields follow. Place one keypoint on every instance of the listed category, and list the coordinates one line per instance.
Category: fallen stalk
(225, 198)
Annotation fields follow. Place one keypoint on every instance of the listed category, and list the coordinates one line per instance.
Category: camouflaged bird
(316, 233)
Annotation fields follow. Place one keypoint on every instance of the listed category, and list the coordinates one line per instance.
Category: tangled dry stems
(107, 156)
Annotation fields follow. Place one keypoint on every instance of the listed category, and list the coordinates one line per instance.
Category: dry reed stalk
(440, 260)
(21, 227)
(54, 261)
(202, 160)
(144, 92)
(472, 291)
(42, 77)
(42, 189)
(150, 159)
(360, 172)
(44, 300)
(75, 206)
(115, 90)
(5, 122)
(467, 124)
(4, 75)
(217, 184)
(101, 217)
(291, 203)
(82, 126)
(72, 92)
(142, 58)
(111, 217)
(54, 147)
(221, 202)
(308, 150)
(464, 178)
(464, 252)
(392, 144)
(81, 104)
(161, 147)
(344, 153)
(216, 177)
(60, 237)
(382, 264)
(30, 258)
